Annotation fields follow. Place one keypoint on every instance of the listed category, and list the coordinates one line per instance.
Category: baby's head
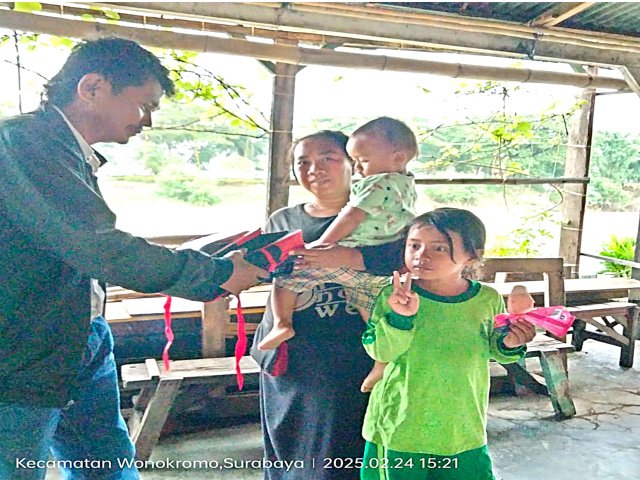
(383, 145)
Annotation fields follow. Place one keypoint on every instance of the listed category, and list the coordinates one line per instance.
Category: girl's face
(322, 167)
(427, 254)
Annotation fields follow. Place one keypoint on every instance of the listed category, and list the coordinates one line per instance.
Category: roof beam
(632, 77)
(555, 45)
(559, 13)
(295, 55)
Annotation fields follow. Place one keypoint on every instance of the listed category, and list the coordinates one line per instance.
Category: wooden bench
(551, 352)
(552, 355)
(615, 323)
(158, 390)
(137, 318)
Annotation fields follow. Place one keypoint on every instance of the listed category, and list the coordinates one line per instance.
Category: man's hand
(403, 301)
(244, 274)
(520, 332)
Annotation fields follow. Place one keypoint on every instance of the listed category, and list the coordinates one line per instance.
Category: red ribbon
(168, 332)
(241, 343)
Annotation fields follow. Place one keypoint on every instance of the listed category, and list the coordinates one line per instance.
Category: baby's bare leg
(283, 303)
(375, 375)
(364, 313)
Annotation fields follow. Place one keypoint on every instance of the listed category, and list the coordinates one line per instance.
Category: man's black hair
(122, 62)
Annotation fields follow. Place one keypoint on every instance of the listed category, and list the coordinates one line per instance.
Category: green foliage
(206, 119)
(189, 189)
(455, 194)
(211, 120)
(614, 170)
(27, 7)
(621, 248)
(134, 178)
(501, 144)
(607, 194)
(524, 241)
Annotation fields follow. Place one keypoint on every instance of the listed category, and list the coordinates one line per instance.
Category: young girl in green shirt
(426, 418)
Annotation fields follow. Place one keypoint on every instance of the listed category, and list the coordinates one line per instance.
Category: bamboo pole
(502, 181)
(202, 25)
(634, 295)
(295, 55)
(447, 20)
(495, 181)
(617, 261)
(289, 18)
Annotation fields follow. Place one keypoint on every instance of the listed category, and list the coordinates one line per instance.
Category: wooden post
(575, 195)
(284, 83)
(215, 319)
(632, 77)
(634, 295)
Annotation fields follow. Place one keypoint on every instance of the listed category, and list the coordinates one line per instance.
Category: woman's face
(322, 167)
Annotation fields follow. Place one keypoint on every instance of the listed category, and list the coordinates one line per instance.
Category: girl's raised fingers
(407, 282)
(396, 281)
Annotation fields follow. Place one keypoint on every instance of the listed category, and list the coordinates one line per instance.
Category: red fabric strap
(241, 343)
(273, 264)
(167, 333)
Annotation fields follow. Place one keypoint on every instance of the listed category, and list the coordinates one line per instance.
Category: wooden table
(219, 324)
(583, 290)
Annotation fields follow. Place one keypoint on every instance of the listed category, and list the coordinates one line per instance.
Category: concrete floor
(601, 442)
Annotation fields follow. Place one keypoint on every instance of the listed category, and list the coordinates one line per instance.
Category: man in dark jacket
(58, 247)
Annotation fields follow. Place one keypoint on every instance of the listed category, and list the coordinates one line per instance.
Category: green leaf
(524, 127)
(111, 14)
(498, 133)
(27, 7)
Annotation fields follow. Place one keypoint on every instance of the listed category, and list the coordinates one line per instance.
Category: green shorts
(380, 463)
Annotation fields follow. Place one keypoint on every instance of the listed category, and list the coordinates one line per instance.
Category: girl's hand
(520, 332)
(402, 300)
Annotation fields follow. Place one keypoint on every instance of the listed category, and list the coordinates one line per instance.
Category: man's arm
(44, 196)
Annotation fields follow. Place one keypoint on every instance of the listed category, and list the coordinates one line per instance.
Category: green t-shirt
(434, 394)
(389, 201)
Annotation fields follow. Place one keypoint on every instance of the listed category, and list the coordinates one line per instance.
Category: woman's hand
(520, 332)
(328, 255)
(403, 301)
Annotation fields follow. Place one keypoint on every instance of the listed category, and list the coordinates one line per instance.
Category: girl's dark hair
(122, 62)
(463, 222)
(335, 136)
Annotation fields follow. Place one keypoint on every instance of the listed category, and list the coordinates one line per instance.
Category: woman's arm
(380, 260)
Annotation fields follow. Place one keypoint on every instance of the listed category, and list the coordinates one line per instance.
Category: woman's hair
(122, 62)
(460, 221)
(334, 136)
